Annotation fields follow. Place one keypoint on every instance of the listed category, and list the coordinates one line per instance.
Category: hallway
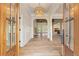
(44, 47)
(34, 29)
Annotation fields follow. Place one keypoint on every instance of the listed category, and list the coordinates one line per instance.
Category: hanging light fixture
(39, 11)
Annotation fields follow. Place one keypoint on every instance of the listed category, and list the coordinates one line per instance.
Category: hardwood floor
(44, 47)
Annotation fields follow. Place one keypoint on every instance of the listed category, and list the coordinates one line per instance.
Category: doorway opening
(57, 30)
(40, 28)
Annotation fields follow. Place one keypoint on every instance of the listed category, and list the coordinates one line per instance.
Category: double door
(41, 28)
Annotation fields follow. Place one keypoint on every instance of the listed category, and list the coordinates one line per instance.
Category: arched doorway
(40, 28)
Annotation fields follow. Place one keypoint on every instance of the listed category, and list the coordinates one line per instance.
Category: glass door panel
(11, 26)
(69, 24)
(71, 36)
(42, 28)
(67, 33)
(39, 30)
(71, 27)
(8, 27)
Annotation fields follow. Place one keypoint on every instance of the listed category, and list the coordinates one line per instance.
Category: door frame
(2, 28)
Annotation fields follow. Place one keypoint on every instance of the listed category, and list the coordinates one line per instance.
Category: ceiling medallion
(39, 11)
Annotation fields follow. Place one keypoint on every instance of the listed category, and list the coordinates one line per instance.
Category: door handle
(19, 41)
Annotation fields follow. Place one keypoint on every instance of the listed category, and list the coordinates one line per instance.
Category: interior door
(69, 29)
(12, 29)
(69, 32)
(72, 27)
(9, 29)
(69, 23)
(42, 28)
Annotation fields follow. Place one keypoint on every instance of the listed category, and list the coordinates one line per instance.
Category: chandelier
(39, 11)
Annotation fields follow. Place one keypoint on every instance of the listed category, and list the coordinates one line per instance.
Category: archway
(40, 28)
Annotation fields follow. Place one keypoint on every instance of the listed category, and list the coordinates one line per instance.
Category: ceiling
(48, 7)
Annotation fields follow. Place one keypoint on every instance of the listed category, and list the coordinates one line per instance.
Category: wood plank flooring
(44, 47)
